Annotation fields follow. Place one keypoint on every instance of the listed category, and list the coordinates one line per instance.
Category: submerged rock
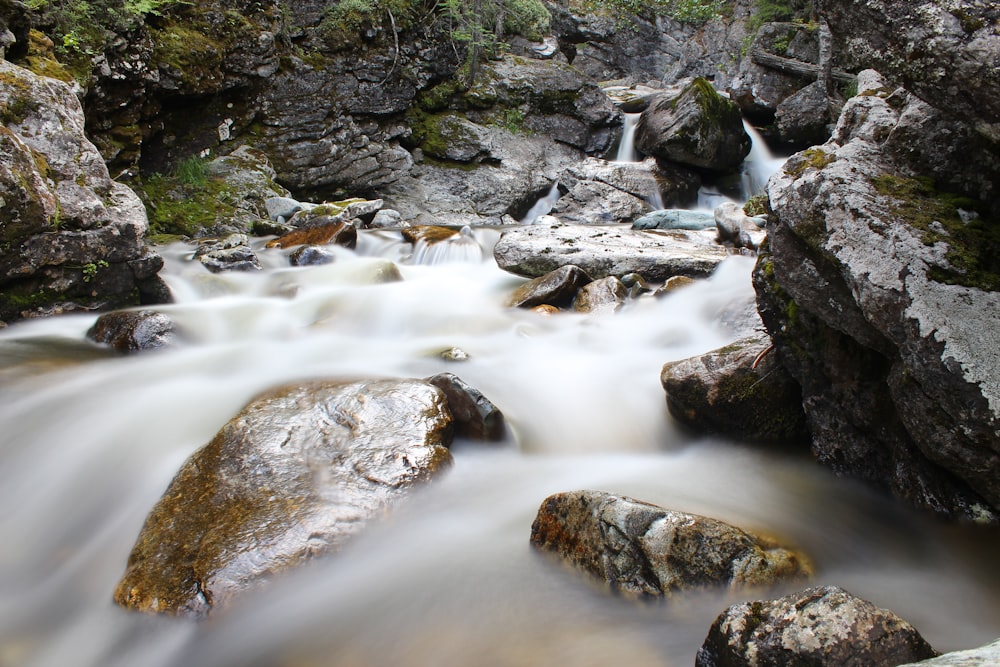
(608, 251)
(698, 128)
(133, 330)
(299, 471)
(645, 550)
(740, 391)
(820, 627)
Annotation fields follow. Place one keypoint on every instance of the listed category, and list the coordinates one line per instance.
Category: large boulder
(819, 627)
(740, 391)
(697, 128)
(608, 251)
(648, 551)
(946, 53)
(71, 238)
(882, 297)
(299, 471)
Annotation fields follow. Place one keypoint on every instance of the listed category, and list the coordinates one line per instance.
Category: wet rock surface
(299, 471)
(741, 391)
(605, 295)
(475, 416)
(608, 251)
(984, 656)
(132, 331)
(824, 627)
(647, 551)
(883, 307)
(556, 288)
(232, 253)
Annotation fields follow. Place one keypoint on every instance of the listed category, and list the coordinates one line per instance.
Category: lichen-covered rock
(299, 471)
(232, 253)
(819, 627)
(740, 391)
(608, 251)
(675, 219)
(984, 656)
(806, 117)
(647, 551)
(71, 238)
(698, 128)
(605, 295)
(134, 330)
(882, 297)
(556, 288)
(946, 53)
(475, 416)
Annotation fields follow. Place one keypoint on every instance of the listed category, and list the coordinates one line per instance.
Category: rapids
(89, 440)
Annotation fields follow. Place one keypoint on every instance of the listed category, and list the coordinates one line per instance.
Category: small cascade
(759, 165)
(461, 247)
(542, 206)
(626, 147)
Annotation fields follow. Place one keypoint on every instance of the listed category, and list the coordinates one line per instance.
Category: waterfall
(759, 165)
(89, 440)
(626, 146)
(542, 206)
(462, 247)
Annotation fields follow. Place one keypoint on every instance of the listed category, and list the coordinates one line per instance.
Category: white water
(542, 206)
(88, 442)
(626, 146)
(759, 165)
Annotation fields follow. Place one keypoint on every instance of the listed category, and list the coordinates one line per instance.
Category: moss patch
(973, 244)
(811, 158)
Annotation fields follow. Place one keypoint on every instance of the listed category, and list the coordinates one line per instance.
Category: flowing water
(89, 440)
(626, 146)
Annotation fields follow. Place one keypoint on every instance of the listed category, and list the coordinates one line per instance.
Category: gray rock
(699, 128)
(475, 416)
(301, 470)
(71, 238)
(310, 255)
(825, 627)
(248, 181)
(132, 331)
(647, 551)
(332, 213)
(675, 219)
(605, 295)
(608, 251)
(984, 656)
(740, 391)
(281, 207)
(232, 253)
(556, 288)
(386, 217)
(806, 117)
(736, 228)
(883, 309)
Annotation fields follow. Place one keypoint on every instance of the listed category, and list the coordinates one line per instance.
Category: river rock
(736, 228)
(699, 128)
(740, 391)
(475, 416)
(320, 233)
(824, 627)
(281, 207)
(232, 253)
(310, 255)
(133, 330)
(806, 117)
(883, 304)
(608, 251)
(71, 238)
(647, 551)
(605, 295)
(675, 219)
(556, 288)
(298, 472)
(984, 656)
(247, 183)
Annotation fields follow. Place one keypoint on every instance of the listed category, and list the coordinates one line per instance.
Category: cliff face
(881, 286)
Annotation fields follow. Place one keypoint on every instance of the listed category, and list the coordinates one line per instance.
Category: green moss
(19, 100)
(811, 158)
(196, 55)
(757, 205)
(182, 209)
(970, 23)
(973, 246)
